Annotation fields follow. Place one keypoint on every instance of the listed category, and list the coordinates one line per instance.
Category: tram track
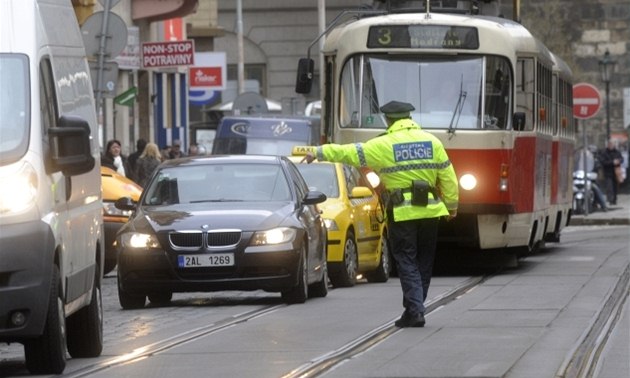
(171, 342)
(314, 367)
(320, 365)
(583, 359)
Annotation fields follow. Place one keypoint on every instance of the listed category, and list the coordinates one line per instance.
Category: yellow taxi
(113, 187)
(357, 233)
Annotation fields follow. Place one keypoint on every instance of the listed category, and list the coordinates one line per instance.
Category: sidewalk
(618, 214)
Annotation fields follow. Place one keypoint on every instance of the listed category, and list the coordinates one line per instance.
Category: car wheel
(320, 288)
(381, 274)
(130, 301)
(299, 293)
(161, 298)
(85, 327)
(47, 353)
(109, 265)
(347, 275)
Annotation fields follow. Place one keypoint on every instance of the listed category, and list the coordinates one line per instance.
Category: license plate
(200, 261)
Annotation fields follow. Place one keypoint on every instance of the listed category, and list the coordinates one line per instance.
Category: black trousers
(413, 245)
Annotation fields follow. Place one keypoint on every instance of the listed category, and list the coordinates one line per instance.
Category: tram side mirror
(518, 121)
(304, 80)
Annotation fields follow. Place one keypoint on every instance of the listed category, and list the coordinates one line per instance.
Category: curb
(599, 222)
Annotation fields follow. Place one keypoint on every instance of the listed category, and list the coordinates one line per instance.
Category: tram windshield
(466, 92)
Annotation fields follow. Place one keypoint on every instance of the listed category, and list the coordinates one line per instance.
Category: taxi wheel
(346, 274)
(381, 274)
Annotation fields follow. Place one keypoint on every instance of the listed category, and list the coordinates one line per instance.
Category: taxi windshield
(446, 92)
(14, 105)
(321, 177)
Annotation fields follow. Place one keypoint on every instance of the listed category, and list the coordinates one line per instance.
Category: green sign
(127, 98)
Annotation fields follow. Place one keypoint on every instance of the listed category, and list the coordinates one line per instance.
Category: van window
(14, 107)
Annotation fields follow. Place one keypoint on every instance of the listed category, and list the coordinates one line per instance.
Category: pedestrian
(149, 160)
(193, 149)
(114, 159)
(176, 150)
(611, 160)
(133, 158)
(420, 187)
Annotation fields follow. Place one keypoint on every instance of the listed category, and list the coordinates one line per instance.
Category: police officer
(420, 188)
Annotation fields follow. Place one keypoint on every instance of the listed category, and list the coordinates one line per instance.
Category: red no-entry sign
(586, 100)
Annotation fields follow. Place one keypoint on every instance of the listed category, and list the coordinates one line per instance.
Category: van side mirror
(518, 121)
(70, 146)
(304, 80)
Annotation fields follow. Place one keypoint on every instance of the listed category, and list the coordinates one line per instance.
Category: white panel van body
(51, 227)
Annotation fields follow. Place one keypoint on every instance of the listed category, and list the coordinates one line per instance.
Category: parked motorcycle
(583, 192)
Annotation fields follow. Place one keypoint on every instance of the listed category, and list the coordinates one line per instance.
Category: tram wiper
(458, 108)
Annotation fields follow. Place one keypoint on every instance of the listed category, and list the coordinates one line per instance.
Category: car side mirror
(304, 81)
(314, 197)
(360, 192)
(125, 203)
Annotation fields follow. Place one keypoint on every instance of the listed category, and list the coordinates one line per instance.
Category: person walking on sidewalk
(420, 187)
(611, 160)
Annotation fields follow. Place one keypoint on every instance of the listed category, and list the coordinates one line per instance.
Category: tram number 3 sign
(586, 100)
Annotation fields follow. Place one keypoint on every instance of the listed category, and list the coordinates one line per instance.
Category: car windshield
(218, 183)
(14, 105)
(321, 177)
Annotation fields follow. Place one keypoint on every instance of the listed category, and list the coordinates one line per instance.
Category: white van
(51, 230)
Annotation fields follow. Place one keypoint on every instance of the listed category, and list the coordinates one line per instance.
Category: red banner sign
(168, 54)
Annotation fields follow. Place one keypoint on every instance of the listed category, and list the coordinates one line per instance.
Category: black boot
(408, 320)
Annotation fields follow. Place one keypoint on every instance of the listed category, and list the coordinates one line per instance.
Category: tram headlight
(468, 181)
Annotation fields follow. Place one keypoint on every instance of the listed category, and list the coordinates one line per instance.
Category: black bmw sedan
(240, 222)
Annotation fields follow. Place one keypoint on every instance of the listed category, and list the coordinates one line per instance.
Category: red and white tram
(497, 98)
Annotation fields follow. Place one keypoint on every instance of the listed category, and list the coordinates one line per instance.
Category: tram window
(525, 91)
(498, 85)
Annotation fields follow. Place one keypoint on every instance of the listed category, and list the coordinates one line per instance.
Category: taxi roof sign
(303, 150)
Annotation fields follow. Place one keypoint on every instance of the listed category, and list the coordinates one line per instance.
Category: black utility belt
(420, 190)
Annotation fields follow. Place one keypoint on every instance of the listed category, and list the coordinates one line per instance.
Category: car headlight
(331, 225)
(274, 236)
(110, 209)
(19, 190)
(139, 240)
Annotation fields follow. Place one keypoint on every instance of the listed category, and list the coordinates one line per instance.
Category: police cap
(397, 109)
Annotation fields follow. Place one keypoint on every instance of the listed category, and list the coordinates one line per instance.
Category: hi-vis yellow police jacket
(403, 154)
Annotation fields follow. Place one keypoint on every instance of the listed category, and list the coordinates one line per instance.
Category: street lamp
(606, 67)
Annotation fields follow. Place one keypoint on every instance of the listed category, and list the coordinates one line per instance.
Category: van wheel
(346, 274)
(299, 293)
(381, 274)
(47, 353)
(85, 327)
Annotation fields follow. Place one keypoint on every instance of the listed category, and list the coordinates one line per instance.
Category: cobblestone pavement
(134, 326)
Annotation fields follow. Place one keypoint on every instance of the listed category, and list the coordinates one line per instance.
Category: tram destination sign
(423, 37)
(168, 54)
